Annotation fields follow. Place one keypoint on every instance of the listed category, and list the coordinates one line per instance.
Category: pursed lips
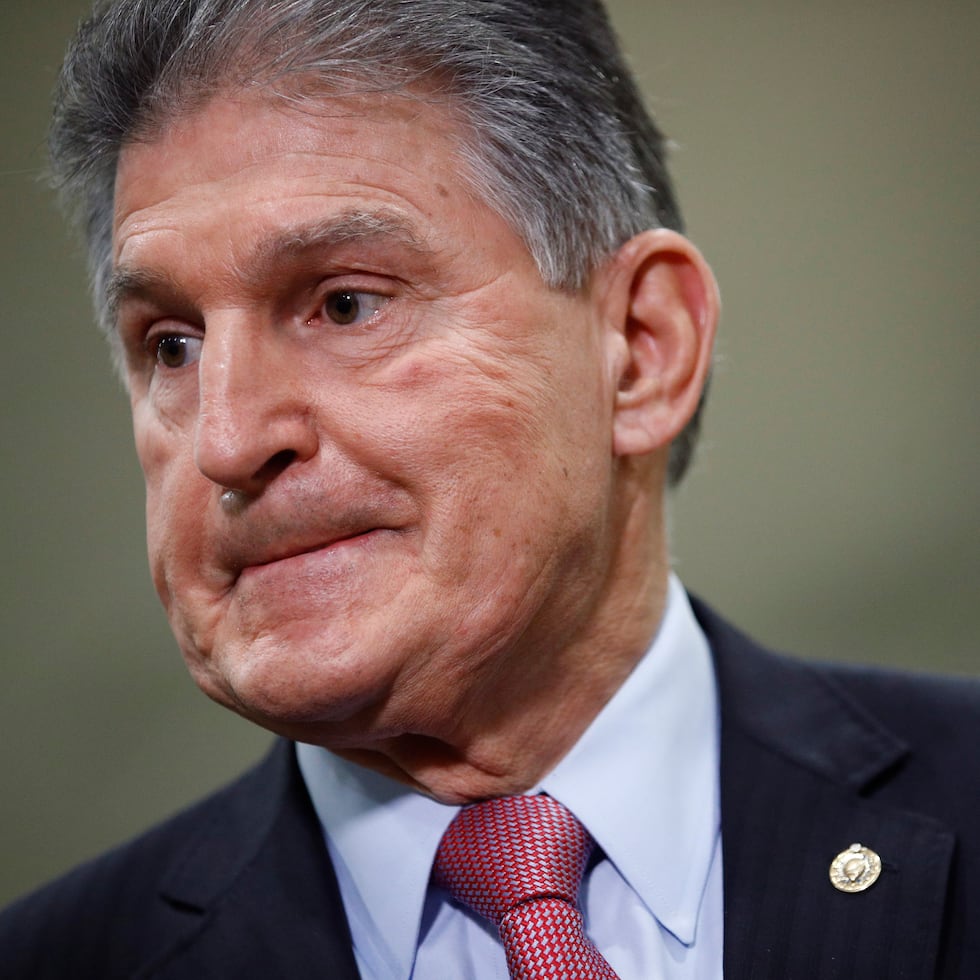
(258, 562)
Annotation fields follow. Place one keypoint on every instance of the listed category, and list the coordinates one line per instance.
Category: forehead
(246, 161)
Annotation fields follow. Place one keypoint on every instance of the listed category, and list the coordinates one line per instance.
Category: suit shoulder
(926, 709)
(99, 919)
(911, 706)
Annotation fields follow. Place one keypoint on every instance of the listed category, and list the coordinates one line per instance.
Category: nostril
(276, 464)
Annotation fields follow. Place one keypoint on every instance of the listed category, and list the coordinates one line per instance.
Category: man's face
(318, 314)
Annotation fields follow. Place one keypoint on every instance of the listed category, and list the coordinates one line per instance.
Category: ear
(661, 305)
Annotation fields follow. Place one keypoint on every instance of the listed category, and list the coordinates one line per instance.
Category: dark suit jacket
(814, 758)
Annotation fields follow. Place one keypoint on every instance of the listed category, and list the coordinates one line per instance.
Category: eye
(347, 307)
(176, 350)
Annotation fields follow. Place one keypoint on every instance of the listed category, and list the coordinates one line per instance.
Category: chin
(292, 687)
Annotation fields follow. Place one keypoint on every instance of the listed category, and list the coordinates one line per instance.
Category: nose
(252, 423)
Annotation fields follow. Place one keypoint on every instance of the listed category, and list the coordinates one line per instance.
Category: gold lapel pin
(855, 869)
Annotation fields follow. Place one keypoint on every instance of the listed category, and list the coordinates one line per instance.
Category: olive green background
(828, 161)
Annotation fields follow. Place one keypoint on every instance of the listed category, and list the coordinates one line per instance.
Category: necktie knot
(501, 853)
(518, 861)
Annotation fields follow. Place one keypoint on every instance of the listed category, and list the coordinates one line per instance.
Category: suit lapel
(254, 895)
(800, 764)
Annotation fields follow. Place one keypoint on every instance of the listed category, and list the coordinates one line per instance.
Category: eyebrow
(353, 227)
(348, 227)
(129, 284)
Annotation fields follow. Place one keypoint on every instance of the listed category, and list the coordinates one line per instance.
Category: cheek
(175, 503)
(157, 443)
(445, 423)
(496, 450)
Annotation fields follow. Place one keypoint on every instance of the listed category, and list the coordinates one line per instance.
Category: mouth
(290, 553)
(310, 558)
(333, 546)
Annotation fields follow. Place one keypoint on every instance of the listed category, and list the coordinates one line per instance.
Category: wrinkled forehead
(321, 101)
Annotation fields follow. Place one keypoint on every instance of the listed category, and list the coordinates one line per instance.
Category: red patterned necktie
(518, 861)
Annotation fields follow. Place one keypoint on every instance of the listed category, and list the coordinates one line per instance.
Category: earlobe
(664, 303)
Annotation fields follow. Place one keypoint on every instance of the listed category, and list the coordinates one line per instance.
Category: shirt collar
(382, 837)
(642, 778)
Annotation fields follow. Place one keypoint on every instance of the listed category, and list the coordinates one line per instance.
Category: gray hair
(555, 134)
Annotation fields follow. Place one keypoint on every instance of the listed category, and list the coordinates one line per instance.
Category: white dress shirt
(643, 779)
